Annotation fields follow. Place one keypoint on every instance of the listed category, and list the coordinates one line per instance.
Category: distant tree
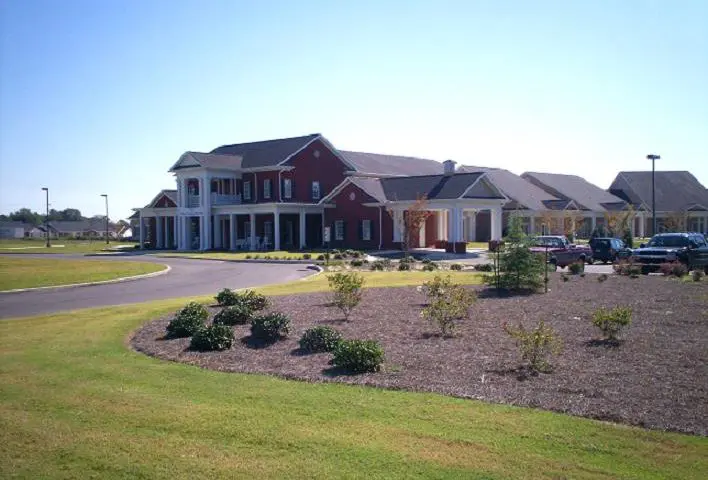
(411, 221)
(28, 216)
(71, 215)
(674, 222)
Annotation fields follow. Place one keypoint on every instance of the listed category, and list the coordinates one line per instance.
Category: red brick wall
(352, 212)
(164, 202)
(327, 169)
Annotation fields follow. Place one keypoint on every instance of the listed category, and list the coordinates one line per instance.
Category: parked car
(609, 249)
(561, 252)
(691, 249)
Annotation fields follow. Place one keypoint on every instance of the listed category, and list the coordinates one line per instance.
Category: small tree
(347, 290)
(612, 321)
(674, 222)
(518, 267)
(536, 345)
(410, 222)
(448, 303)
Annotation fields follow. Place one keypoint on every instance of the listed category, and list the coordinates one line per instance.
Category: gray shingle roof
(391, 164)
(571, 187)
(675, 190)
(212, 160)
(265, 153)
(371, 186)
(434, 187)
(80, 226)
(14, 224)
(522, 194)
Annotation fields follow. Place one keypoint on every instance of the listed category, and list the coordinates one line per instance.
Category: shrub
(518, 268)
(188, 321)
(347, 290)
(320, 339)
(253, 300)
(384, 264)
(456, 266)
(234, 315)
(306, 256)
(696, 275)
(448, 303)
(677, 269)
(320, 257)
(226, 297)
(612, 321)
(358, 356)
(535, 345)
(576, 268)
(627, 268)
(429, 267)
(602, 277)
(338, 256)
(484, 267)
(356, 263)
(213, 337)
(404, 266)
(270, 327)
(248, 257)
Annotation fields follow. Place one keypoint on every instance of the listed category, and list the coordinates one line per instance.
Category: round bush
(226, 297)
(356, 263)
(213, 337)
(306, 256)
(456, 266)
(429, 267)
(404, 266)
(272, 326)
(358, 356)
(235, 315)
(320, 339)
(188, 321)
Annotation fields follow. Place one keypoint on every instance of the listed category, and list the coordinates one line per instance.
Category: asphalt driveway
(187, 277)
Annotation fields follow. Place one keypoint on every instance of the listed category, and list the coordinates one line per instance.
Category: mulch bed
(656, 378)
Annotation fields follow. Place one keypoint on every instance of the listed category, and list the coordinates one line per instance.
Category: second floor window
(339, 230)
(266, 188)
(287, 188)
(366, 230)
(246, 190)
(315, 190)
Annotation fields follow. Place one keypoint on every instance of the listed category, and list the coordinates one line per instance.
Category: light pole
(46, 218)
(107, 238)
(653, 159)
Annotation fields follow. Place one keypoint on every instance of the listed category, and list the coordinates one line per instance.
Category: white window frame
(266, 188)
(366, 230)
(247, 190)
(287, 188)
(339, 230)
(316, 192)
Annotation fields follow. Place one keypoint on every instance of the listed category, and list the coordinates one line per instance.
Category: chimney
(449, 167)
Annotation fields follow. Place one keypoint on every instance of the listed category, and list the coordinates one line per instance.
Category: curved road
(188, 277)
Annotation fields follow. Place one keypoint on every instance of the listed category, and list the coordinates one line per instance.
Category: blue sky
(103, 96)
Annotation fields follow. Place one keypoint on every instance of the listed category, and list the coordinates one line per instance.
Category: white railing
(193, 201)
(223, 199)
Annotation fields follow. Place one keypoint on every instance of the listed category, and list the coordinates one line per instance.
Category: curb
(249, 260)
(89, 284)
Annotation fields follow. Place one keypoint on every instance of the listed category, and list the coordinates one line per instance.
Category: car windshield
(668, 241)
(549, 242)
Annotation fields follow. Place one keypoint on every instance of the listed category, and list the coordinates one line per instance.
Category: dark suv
(691, 249)
(607, 249)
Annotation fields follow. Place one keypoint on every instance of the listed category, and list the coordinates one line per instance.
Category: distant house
(91, 228)
(15, 229)
(681, 200)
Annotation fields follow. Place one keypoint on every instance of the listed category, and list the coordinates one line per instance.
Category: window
(247, 190)
(315, 190)
(287, 188)
(366, 229)
(339, 230)
(268, 232)
(266, 188)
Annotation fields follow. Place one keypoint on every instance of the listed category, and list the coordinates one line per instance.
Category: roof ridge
(313, 135)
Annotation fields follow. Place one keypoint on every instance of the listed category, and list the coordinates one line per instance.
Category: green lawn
(22, 272)
(75, 402)
(37, 245)
(484, 245)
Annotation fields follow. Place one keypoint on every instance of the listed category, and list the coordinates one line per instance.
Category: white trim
(327, 144)
(157, 197)
(485, 179)
(335, 191)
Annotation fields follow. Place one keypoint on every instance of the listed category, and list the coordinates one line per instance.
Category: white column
(276, 230)
(142, 231)
(642, 226)
(160, 233)
(175, 232)
(593, 223)
(441, 224)
(532, 224)
(303, 243)
(233, 230)
(473, 227)
(252, 220)
(397, 226)
(495, 215)
(454, 227)
(202, 236)
(217, 231)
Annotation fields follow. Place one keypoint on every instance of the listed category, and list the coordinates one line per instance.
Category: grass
(75, 402)
(43, 272)
(38, 245)
(483, 245)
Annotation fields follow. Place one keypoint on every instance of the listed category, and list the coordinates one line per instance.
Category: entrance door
(289, 232)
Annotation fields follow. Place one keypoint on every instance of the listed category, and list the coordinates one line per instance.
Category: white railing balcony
(193, 201)
(224, 199)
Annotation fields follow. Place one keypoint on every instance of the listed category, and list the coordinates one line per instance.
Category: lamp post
(46, 218)
(653, 159)
(107, 238)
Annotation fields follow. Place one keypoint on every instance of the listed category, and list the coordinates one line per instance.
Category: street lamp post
(653, 159)
(107, 238)
(46, 218)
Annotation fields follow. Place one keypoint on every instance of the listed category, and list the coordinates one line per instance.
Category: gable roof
(95, 224)
(384, 165)
(572, 187)
(170, 194)
(522, 194)
(433, 187)
(675, 190)
(265, 153)
(16, 224)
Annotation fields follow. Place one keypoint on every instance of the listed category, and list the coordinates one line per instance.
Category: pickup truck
(691, 249)
(561, 252)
